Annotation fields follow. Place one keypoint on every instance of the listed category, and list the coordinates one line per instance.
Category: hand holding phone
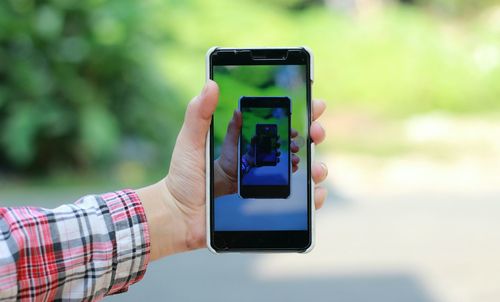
(226, 165)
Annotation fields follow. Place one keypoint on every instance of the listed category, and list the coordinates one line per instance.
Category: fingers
(319, 172)
(233, 130)
(320, 194)
(295, 159)
(294, 147)
(199, 114)
(318, 107)
(317, 132)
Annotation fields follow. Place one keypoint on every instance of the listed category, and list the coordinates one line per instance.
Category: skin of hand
(226, 166)
(175, 206)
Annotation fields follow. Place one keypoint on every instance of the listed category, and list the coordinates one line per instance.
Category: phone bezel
(260, 241)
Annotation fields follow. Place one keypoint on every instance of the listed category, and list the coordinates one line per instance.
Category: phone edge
(311, 155)
(210, 51)
(208, 173)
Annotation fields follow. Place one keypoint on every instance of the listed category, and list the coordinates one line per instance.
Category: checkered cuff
(83, 251)
(131, 233)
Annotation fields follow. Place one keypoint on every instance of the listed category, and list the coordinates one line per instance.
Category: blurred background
(92, 94)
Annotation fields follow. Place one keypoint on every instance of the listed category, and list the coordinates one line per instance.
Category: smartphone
(264, 147)
(257, 200)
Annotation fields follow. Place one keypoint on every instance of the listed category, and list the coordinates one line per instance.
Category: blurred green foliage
(76, 79)
(457, 7)
(395, 60)
(80, 78)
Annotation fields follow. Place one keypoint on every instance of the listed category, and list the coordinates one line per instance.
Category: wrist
(167, 227)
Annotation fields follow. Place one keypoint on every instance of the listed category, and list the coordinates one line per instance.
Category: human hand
(175, 206)
(226, 166)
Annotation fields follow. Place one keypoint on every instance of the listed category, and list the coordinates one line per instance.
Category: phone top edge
(311, 62)
(210, 51)
(306, 48)
(257, 47)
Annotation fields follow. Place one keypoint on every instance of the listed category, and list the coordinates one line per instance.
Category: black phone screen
(264, 147)
(260, 184)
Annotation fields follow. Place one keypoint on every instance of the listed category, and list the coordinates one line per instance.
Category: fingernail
(205, 89)
(325, 169)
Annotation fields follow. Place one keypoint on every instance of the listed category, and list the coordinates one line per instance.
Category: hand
(175, 206)
(226, 166)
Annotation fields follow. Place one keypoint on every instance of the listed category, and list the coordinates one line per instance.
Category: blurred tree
(458, 7)
(82, 82)
(450, 7)
(76, 78)
(295, 4)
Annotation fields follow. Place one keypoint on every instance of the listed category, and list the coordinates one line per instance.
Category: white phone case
(208, 146)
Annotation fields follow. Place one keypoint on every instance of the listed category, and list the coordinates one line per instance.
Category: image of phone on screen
(259, 187)
(264, 147)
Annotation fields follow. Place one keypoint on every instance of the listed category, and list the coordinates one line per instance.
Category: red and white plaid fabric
(83, 251)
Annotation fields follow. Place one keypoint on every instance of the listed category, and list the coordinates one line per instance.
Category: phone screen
(264, 153)
(260, 181)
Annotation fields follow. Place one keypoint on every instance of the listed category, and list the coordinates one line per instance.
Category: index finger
(318, 107)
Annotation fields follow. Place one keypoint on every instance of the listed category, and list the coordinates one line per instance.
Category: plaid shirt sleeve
(83, 251)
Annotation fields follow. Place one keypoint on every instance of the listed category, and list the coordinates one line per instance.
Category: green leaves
(99, 132)
(76, 79)
(18, 134)
(79, 77)
(48, 22)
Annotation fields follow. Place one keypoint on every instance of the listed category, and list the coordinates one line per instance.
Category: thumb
(199, 115)
(233, 131)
